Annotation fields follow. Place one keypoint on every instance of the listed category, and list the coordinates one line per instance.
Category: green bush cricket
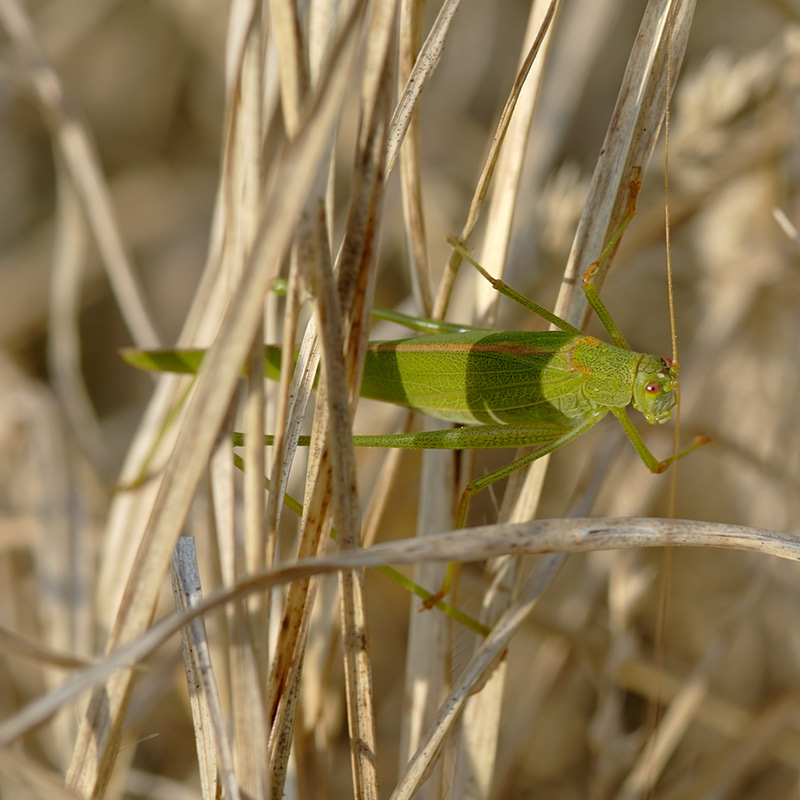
(509, 388)
(516, 389)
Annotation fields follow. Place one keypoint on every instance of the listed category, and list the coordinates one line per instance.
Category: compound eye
(653, 388)
(667, 362)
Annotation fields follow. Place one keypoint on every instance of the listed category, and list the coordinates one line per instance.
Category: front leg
(650, 461)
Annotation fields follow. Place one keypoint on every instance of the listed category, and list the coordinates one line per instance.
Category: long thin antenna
(673, 493)
(666, 561)
(667, 235)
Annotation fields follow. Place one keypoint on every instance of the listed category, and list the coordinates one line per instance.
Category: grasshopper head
(654, 388)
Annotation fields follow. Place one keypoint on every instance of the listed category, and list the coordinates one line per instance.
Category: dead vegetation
(161, 163)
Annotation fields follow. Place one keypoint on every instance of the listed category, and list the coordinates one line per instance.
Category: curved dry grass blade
(19, 646)
(472, 544)
(81, 161)
(63, 336)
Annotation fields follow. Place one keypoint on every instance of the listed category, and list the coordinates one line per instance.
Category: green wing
(508, 377)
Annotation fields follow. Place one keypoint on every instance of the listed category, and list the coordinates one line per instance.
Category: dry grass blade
(424, 66)
(333, 424)
(292, 400)
(786, 225)
(293, 67)
(249, 657)
(356, 281)
(210, 730)
(294, 176)
(629, 144)
(481, 667)
(410, 35)
(246, 704)
(426, 676)
(478, 743)
(312, 257)
(508, 173)
(484, 181)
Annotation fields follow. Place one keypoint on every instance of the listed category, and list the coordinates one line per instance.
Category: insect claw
(431, 601)
(590, 273)
(635, 187)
